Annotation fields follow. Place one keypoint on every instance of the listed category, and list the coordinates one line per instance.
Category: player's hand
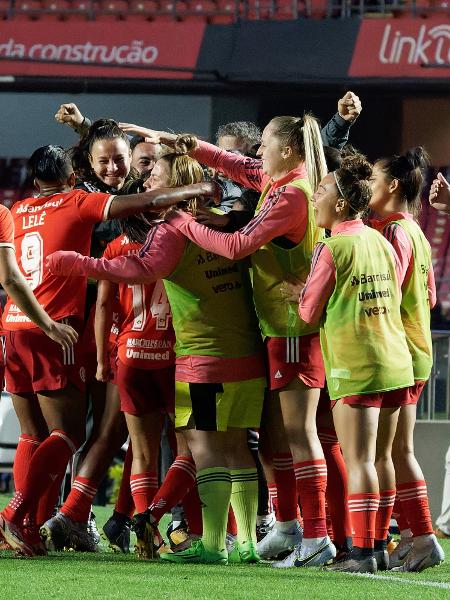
(349, 107)
(65, 335)
(70, 115)
(213, 190)
(150, 135)
(63, 262)
(291, 289)
(207, 217)
(103, 372)
(440, 194)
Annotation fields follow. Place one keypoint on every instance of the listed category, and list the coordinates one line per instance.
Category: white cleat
(290, 559)
(400, 552)
(422, 557)
(277, 542)
(315, 554)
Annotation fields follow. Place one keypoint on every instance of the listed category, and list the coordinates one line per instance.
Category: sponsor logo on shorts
(82, 374)
(278, 375)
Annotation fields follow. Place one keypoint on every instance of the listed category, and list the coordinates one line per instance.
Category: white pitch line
(426, 582)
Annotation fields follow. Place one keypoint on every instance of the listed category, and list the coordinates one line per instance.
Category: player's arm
(157, 200)
(102, 326)
(440, 194)
(17, 288)
(267, 225)
(158, 259)
(319, 285)
(69, 114)
(336, 131)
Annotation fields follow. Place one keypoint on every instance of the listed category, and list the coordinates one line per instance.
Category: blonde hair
(302, 134)
(184, 170)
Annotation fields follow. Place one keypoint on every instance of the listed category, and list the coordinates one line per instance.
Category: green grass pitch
(76, 576)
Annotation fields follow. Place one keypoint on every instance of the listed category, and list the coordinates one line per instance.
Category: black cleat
(116, 532)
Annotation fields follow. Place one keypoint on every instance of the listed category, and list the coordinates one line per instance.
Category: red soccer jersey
(6, 236)
(146, 337)
(42, 226)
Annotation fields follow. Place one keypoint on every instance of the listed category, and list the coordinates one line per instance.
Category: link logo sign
(403, 48)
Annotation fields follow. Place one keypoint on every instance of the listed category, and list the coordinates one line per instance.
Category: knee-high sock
(363, 512)
(311, 477)
(26, 447)
(78, 503)
(384, 514)
(214, 489)
(124, 503)
(283, 472)
(49, 461)
(179, 479)
(244, 500)
(336, 493)
(414, 503)
(143, 489)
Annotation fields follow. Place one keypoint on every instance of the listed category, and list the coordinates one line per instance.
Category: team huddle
(263, 303)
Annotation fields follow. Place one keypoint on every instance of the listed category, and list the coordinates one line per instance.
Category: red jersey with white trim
(6, 237)
(146, 337)
(43, 225)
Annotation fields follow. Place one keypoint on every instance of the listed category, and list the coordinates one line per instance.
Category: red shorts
(144, 390)
(288, 358)
(415, 392)
(113, 360)
(36, 363)
(391, 399)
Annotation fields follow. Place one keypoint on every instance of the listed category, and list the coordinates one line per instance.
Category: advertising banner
(418, 48)
(100, 49)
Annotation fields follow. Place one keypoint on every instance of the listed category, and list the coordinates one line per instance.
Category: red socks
(311, 478)
(48, 463)
(124, 503)
(273, 501)
(78, 503)
(26, 447)
(283, 472)
(193, 510)
(143, 489)
(384, 514)
(179, 479)
(413, 497)
(336, 493)
(363, 513)
(399, 515)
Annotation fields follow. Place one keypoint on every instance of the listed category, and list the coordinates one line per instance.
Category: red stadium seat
(227, 11)
(259, 9)
(80, 10)
(4, 9)
(169, 10)
(197, 10)
(142, 10)
(55, 10)
(27, 10)
(112, 10)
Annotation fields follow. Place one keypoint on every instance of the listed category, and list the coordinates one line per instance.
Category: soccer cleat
(116, 531)
(277, 542)
(16, 537)
(398, 556)
(316, 554)
(230, 541)
(353, 564)
(441, 534)
(267, 524)
(92, 529)
(178, 534)
(382, 558)
(197, 554)
(290, 559)
(422, 557)
(148, 538)
(244, 552)
(185, 544)
(391, 544)
(55, 532)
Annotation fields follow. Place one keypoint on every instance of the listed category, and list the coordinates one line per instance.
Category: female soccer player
(219, 371)
(396, 185)
(59, 217)
(352, 289)
(280, 240)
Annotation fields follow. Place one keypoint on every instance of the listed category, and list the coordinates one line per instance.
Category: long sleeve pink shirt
(157, 259)
(398, 237)
(283, 213)
(322, 277)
